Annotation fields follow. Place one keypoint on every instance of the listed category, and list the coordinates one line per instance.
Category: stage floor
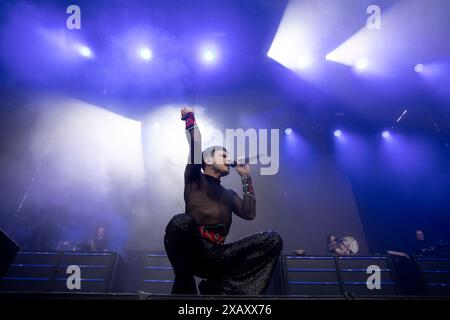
(146, 296)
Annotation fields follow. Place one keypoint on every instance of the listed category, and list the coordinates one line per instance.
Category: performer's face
(221, 162)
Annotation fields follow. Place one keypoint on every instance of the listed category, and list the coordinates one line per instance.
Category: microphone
(245, 160)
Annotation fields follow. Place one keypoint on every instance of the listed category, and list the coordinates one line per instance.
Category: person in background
(99, 242)
(422, 246)
(333, 245)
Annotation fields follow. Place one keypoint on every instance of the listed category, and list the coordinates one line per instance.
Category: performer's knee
(275, 242)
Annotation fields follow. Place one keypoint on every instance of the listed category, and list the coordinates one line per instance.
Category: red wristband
(189, 118)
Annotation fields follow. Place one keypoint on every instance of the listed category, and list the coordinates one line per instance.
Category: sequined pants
(243, 267)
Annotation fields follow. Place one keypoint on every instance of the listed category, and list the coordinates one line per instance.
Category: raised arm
(245, 208)
(194, 165)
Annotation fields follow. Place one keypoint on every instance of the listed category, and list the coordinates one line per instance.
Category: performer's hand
(243, 169)
(186, 110)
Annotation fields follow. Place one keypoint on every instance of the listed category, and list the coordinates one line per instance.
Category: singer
(195, 240)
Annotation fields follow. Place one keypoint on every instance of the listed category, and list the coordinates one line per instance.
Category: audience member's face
(332, 239)
(420, 235)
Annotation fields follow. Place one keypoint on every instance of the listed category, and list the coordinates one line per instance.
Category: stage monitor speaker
(47, 271)
(31, 271)
(158, 276)
(8, 251)
(311, 276)
(353, 274)
(97, 271)
(406, 271)
(435, 274)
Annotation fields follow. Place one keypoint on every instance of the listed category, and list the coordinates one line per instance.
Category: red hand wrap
(189, 118)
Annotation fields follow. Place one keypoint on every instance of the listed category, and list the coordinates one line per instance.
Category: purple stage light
(418, 68)
(146, 53)
(386, 134)
(401, 116)
(288, 131)
(85, 51)
(337, 133)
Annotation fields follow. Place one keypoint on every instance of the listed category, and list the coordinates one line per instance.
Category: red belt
(214, 234)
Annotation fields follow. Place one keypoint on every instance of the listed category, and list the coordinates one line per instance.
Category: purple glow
(337, 133)
(288, 131)
(386, 134)
(409, 157)
(146, 53)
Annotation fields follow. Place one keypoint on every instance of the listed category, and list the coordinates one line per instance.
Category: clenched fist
(186, 110)
(243, 170)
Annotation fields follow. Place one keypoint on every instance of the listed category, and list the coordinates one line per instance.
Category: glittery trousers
(243, 267)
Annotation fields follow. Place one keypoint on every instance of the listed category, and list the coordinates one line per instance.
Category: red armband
(189, 118)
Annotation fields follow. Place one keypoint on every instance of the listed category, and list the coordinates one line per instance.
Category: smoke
(88, 170)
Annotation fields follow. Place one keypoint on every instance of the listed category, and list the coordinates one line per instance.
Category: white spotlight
(85, 51)
(304, 61)
(362, 63)
(146, 53)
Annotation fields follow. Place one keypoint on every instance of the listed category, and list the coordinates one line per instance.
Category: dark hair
(211, 151)
(329, 237)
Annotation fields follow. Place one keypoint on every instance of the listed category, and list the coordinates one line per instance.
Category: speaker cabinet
(158, 275)
(8, 250)
(97, 271)
(311, 275)
(47, 271)
(435, 275)
(353, 273)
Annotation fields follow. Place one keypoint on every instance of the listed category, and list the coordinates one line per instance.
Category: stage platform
(193, 298)
(148, 276)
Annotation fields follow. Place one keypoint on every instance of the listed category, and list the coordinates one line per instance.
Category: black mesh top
(207, 201)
